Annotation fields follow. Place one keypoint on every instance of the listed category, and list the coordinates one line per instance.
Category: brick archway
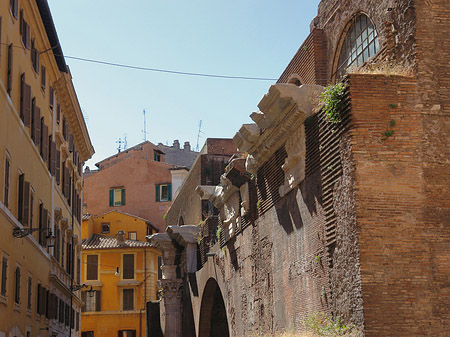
(213, 316)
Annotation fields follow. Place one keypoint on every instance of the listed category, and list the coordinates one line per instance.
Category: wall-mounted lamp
(117, 272)
(23, 232)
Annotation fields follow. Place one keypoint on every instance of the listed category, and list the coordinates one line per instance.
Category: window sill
(3, 299)
(17, 307)
(29, 314)
(125, 283)
(93, 283)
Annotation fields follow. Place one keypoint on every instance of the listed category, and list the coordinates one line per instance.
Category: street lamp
(19, 232)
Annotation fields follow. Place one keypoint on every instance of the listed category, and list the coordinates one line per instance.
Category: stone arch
(213, 310)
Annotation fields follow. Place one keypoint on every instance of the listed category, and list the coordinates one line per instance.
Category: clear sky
(254, 38)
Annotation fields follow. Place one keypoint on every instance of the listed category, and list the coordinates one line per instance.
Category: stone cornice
(71, 109)
(184, 235)
(282, 110)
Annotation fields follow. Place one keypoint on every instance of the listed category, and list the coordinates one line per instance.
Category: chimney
(176, 144)
(120, 237)
(187, 146)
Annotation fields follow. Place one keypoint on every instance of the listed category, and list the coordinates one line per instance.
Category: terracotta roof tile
(97, 241)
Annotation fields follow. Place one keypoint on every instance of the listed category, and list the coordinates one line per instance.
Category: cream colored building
(43, 145)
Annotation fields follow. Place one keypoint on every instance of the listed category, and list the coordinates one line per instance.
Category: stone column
(170, 286)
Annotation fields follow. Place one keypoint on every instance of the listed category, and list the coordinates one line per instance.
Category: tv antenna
(145, 126)
(198, 135)
(120, 142)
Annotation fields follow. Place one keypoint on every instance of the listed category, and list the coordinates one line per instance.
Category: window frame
(130, 234)
(159, 190)
(125, 268)
(104, 224)
(97, 272)
(133, 292)
(112, 196)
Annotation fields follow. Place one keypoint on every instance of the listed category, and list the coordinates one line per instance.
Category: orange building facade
(122, 269)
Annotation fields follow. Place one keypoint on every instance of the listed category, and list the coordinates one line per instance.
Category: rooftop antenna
(198, 135)
(119, 142)
(125, 144)
(145, 127)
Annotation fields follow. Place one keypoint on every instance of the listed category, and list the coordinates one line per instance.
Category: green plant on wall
(218, 233)
(389, 131)
(333, 97)
(258, 204)
(323, 325)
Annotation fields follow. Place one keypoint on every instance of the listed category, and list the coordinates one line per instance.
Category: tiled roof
(86, 216)
(97, 241)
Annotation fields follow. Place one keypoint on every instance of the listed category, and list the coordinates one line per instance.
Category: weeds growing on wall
(320, 324)
(333, 99)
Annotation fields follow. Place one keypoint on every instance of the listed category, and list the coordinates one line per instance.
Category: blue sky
(234, 37)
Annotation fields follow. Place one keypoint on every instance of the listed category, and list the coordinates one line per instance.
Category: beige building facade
(43, 145)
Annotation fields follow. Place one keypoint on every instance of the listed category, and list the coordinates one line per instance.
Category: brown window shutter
(27, 105)
(38, 301)
(37, 125)
(92, 267)
(45, 219)
(66, 182)
(52, 158)
(44, 139)
(51, 98)
(26, 203)
(9, 72)
(70, 142)
(20, 198)
(128, 266)
(98, 298)
(58, 113)
(43, 77)
(58, 167)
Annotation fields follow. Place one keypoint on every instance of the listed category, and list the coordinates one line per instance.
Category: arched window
(360, 44)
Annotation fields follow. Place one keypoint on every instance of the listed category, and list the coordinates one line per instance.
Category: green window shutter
(111, 197)
(123, 196)
(157, 192)
(169, 191)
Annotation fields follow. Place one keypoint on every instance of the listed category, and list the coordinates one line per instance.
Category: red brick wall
(404, 244)
(310, 61)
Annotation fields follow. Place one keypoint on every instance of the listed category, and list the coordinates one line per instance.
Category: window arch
(360, 44)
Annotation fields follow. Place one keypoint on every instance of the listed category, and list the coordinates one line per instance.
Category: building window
(163, 192)
(87, 334)
(4, 276)
(35, 61)
(132, 236)
(156, 156)
(43, 78)
(30, 283)
(117, 197)
(92, 300)
(92, 267)
(14, 7)
(127, 333)
(128, 266)
(7, 179)
(17, 286)
(128, 299)
(105, 227)
(9, 70)
(360, 44)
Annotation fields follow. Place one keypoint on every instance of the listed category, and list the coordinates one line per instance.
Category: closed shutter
(4, 276)
(26, 105)
(17, 290)
(123, 197)
(92, 267)
(38, 302)
(111, 197)
(43, 77)
(128, 299)
(20, 198)
(66, 182)
(37, 125)
(52, 158)
(45, 219)
(29, 293)
(70, 142)
(157, 188)
(26, 203)
(14, 7)
(98, 299)
(51, 99)
(9, 71)
(58, 111)
(58, 167)
(45, 142)
(128, 266)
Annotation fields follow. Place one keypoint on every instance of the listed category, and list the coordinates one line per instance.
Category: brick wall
(404, 242)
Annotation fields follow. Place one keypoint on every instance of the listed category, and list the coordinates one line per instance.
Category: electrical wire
(167, 71)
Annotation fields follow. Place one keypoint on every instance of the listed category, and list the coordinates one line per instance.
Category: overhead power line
(170, 71)
(121, 65)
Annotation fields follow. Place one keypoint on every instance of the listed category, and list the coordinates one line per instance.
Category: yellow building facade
(122, 269)
(43, 145)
